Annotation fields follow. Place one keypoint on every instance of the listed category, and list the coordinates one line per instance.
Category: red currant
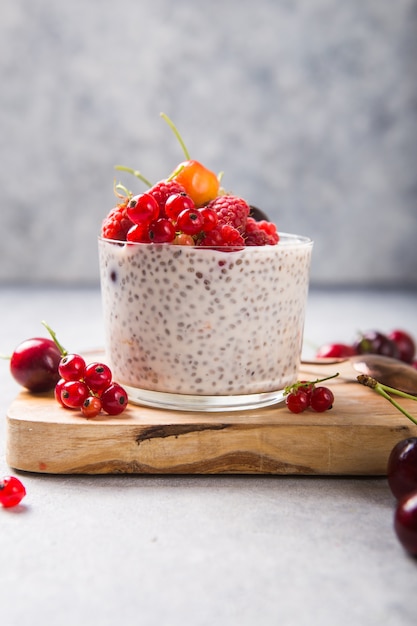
(138, 233)
(210, 219)
(58, 390)
(12, 491)
(190, 221)
(297, 401)
(73, 393)
(143, 209)
(177, 203)
(322, 399)
(97, 376)
(183, 240)
(114, 399)
(72, 367)
(91, 406)
(162, 231)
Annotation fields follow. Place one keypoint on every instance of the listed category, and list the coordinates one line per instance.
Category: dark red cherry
(402, 467)
(34, 364)
(405, 522)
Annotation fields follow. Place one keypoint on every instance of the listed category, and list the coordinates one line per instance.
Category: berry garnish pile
(187, 208)
(397, 344)
(306, 393)
(41, 365)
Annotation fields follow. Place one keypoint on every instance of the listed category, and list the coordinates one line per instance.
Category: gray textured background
(310, 108)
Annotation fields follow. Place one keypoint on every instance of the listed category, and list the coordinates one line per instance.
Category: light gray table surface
(200, 550)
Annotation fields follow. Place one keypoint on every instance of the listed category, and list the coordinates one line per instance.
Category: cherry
(375, 342)
(405, 345)
(34, 364)
(200, 183)
(335, 350)
(322, 399)
(114, 399)
(12, 491)
(402, 467)
(405, 522)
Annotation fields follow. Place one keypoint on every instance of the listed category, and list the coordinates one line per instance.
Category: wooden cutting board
(354, 438)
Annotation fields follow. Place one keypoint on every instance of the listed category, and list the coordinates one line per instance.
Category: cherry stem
(55, 339)
(384, 391)
(130, 170)
(176, 133)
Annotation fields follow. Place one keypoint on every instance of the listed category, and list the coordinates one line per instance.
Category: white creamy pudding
(205, 325)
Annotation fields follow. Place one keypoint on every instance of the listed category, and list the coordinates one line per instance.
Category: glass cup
(203, 329)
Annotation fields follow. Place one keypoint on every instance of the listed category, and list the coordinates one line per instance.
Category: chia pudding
(204, 329)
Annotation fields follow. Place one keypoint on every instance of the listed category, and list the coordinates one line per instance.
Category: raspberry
(162, 190)
(222, 235)
(231, 210)
(260, 233)
(117, 223)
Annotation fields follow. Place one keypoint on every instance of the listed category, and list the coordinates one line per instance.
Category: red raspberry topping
(222, 235)
(260, 233)
(117, 223)
(231, 210)
(162, 190)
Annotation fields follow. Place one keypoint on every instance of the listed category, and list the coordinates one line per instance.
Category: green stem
(176, 133)
(130, 170)
(60, 347)
(384, 391)
(308, 383)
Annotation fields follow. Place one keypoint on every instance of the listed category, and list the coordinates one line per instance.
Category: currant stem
(307, 383)
(55, 339)
(119, 187)
(130, 170)
(176, 133)
(384, 391)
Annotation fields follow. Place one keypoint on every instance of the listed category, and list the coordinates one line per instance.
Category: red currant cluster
(88, 387)
(180, 222)
(12, 491)
(397, 344)
(304, 394)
